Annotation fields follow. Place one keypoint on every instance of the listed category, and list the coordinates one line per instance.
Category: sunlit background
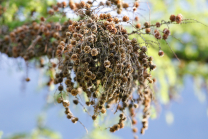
(28, 109)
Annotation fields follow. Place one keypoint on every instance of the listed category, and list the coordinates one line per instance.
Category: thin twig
(83, 126)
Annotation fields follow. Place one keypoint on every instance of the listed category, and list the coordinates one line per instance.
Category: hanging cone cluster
(96, 58)
(107, 66)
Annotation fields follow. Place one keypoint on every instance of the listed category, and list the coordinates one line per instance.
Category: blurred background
(27, 110)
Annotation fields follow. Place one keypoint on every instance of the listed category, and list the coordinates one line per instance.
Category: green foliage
(40, 132)
(192, 34)
(99, 134)
(192, 50)
(43, 133)
(19, 12)
(1, 133)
